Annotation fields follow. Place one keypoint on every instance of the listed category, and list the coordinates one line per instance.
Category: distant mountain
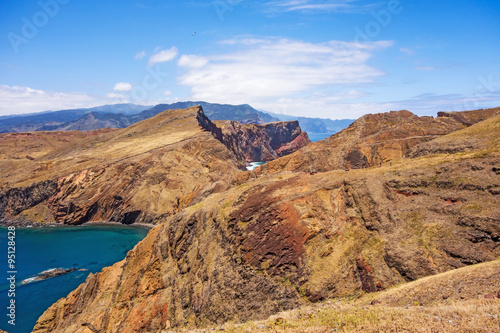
(92, 121)
(315, 125)
(59, 120)
(243, 113)
(124, 115)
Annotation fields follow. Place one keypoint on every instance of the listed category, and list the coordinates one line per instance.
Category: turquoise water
(253, 165)
(90, 248)
(318, 136)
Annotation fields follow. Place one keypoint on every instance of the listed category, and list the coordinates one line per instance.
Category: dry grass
(345, 316)
(395, 310)
(32, 157)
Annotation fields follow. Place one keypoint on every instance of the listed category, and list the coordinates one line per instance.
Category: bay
(86, 248)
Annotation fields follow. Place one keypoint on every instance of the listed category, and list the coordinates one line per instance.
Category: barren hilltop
(390, 200)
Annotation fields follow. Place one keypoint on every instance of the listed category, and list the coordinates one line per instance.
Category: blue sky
(316, 58)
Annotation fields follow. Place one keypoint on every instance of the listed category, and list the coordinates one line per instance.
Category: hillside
(275, 241)
(374, 140)
(139, 174)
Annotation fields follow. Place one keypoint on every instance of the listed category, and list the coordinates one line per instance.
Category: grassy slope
(400, 309)
(60, 153)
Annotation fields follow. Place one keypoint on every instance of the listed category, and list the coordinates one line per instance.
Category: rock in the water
(50, 273)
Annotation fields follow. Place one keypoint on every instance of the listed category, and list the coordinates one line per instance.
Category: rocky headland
(236, 246)
(140, 174)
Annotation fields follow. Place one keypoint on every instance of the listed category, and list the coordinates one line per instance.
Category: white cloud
(122, 86)
(163, 56)
(192, 61)
(263, 72)
(430, 103)
(117, 96)
(425, 68)
(140, 55)
(317, 5)
(167, 93)
(19, 100)
(407, 51)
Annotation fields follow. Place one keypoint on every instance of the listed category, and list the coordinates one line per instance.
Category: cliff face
(259, 143)
(283, 239)
(374, 140)
(140, 174)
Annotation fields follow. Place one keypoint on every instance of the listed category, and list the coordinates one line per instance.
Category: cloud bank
(271, 72)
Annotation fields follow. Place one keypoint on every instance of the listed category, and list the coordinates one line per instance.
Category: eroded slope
(288, 238)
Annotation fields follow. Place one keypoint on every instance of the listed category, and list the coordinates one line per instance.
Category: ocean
(86, 248)
(318, 136)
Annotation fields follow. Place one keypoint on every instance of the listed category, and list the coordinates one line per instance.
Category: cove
(79, 250)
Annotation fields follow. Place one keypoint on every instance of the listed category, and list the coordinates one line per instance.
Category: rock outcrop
(261, 143)
(469, 118)
(282, 239)
(50, 273)
(140, 174)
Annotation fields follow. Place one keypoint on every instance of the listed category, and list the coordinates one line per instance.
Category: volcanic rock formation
(272, 241)
(260, 143)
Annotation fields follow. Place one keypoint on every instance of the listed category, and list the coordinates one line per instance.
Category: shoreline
(23, 224)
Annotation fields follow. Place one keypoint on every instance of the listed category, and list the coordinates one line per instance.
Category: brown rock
(260, 143)
(365, 274)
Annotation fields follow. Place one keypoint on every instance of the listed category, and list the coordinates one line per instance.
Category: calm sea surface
(318, 136)
(88, 249)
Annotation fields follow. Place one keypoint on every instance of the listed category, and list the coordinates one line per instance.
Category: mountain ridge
(375, 139)
(177, 157)
(123, 115)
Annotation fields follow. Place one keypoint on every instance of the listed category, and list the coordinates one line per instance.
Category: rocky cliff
(140, 174)
(259, 143)
(376, 139)
(277, 240)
